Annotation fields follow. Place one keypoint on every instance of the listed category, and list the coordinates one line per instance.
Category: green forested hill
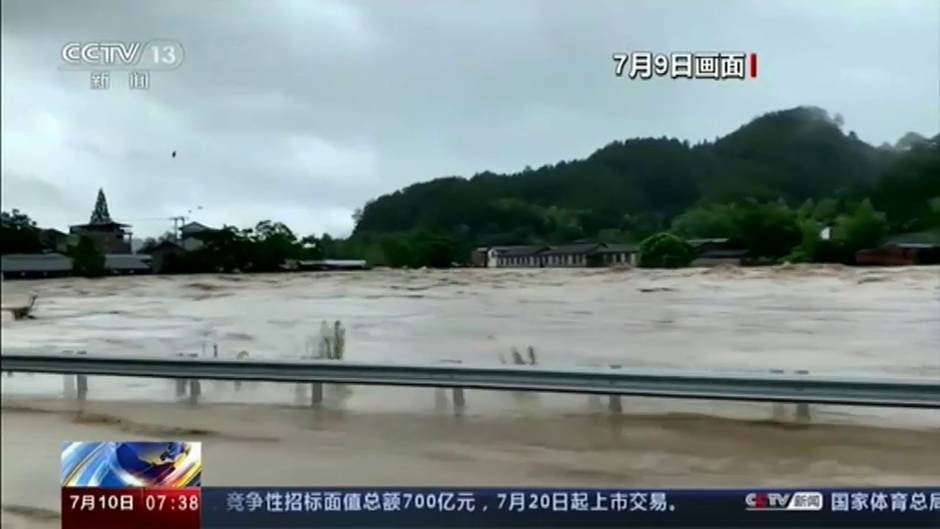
(629, 189)
(772, 185)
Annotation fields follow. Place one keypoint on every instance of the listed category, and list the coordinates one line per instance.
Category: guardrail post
(194, 391)
(68, 390)
(316, 394)
(180, 387)
(457, 395)
(802, 408)
(460, 404)
(614, 402)
(779, 408)
(594, 402)
(82, 383)
(440, 400)
(300, 394)
(802, 412)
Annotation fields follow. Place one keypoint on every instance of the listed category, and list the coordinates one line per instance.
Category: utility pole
(177, 223)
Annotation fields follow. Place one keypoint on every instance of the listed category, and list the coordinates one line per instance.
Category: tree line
(772, 186)
(783, 174)
(262, 248)
(770, 231)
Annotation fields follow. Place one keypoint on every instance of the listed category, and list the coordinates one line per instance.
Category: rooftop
(109, 224)
(570, 249)
(723, 253)
(518, 251)
(562, 249)
(194, 227)
(42, 262)
(699, 242)
(127, 261)
(616, 248)
(930, 238)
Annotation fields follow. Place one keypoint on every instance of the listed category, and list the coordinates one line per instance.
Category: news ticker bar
(347, 508)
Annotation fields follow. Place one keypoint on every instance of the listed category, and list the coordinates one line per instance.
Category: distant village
(114, 241)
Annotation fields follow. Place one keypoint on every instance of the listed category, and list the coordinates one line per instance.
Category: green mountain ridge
(638, 186)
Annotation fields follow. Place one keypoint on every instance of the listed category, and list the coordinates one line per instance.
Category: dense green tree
(18, 233)
(806, 209)
(813, 248)
(935, 214)
(863, 228)
(270, 245)
(767, 230)
(328, 246)
(743, 186)
(364, 248)
(420, 249)
(613, 235)
(87, 260)
(826, 211)
(311, 248)
(640, 186)
(905, 192)
(435, 251)
(398, 251)
(707, 221)
(665, 250)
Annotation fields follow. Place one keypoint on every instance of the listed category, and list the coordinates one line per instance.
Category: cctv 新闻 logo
(118, 55)
(784, 501)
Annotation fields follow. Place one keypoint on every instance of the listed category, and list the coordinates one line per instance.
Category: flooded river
(828, 320)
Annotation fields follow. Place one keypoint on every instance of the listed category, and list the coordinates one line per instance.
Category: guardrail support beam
(316, 394)
(615, 404)
(82, 383)
(460, 403)
(68, 389)
(802, 412)
(195, 390)
(440, 400)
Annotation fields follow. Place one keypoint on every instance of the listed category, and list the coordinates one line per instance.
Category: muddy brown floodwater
(828, 320)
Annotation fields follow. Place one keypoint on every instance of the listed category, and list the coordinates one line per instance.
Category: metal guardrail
(633, 382)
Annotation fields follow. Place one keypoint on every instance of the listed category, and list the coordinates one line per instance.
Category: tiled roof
(616, 248)
(570, 249)
(45, 262)
(723, 253)
(922, 237)
(700, 242)
(127, 262)
(518, 251)
(194, 227)
(563, 249)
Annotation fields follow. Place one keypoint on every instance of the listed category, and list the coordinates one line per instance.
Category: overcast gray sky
(301, 110)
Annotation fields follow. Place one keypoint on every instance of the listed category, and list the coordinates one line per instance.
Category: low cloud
(301, 111)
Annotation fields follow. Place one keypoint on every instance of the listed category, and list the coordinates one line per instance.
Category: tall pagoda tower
(110, 237)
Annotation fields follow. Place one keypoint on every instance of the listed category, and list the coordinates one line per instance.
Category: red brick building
(899, 254)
